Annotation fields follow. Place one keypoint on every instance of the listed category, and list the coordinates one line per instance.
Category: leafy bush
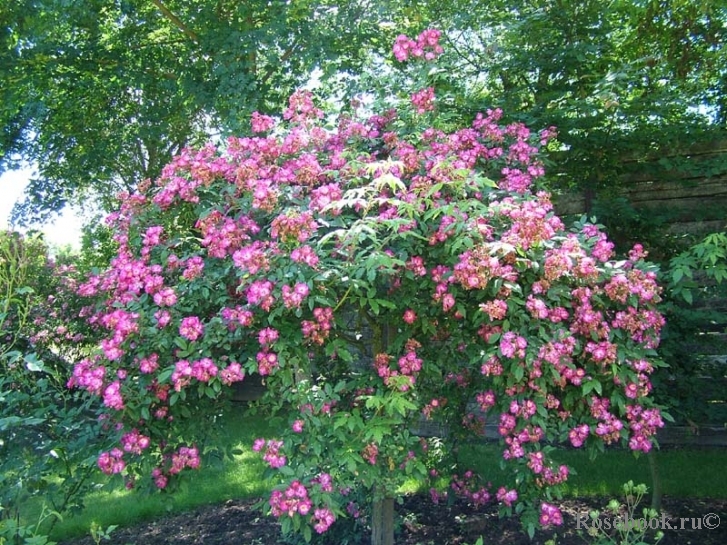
(49, 435)
(374, 272)
(695, 293)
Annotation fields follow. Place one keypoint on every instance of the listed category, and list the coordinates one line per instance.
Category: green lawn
(239, 478)
(217, 482)
(684, 472)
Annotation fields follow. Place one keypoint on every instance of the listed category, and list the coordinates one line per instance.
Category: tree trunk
(655, 481)
(382, 522)
(382, 512)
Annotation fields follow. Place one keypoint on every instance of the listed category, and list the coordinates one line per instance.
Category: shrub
(373, 272)
(49, 436)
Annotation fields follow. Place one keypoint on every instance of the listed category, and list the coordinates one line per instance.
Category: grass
(238, 478)
(684, 472)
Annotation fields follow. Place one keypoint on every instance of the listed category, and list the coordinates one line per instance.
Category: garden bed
(420, 523)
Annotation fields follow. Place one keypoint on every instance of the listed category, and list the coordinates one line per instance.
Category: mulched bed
(421, 523)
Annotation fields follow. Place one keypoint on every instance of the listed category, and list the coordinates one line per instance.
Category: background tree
(618, 80)
(100, 95)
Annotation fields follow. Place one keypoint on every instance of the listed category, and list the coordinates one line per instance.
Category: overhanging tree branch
(176, 21)
(284, 57)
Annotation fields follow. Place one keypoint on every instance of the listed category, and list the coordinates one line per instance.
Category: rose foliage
(375, 271)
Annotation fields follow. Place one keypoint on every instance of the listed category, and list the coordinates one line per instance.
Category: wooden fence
(688, 189)
(687, 192)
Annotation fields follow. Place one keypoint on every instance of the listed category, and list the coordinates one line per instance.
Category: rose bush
(375, 272)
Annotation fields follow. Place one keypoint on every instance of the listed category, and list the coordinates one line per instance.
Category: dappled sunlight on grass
(238, 478)
(218, 480)
(684, 472)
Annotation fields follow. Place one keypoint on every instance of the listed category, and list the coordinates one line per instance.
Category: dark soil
(420, 523)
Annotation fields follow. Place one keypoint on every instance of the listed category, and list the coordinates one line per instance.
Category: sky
(65, 230)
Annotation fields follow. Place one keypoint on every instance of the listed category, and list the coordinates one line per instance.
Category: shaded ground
(421, 523)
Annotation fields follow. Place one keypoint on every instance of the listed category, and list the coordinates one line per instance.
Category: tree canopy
(99, 95)
(618, 79)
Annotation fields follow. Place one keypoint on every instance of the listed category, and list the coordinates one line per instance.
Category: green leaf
(487, 182)
(33, 364)
(590, 386)
(13, 421)
(351, 465)
(286, 471)
(165, 375)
